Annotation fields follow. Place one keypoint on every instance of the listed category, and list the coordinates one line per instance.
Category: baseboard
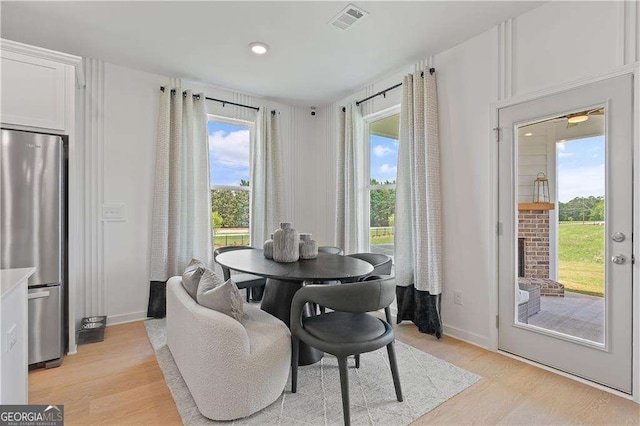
(466, 336)
(456, 333)
(73, 351)
(125, 318)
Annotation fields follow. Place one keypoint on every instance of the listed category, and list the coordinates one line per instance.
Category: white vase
(308, 247)
(285, 244)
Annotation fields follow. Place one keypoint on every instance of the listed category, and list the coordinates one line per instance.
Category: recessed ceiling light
(258, 47)
(575, 119)
(528, 134)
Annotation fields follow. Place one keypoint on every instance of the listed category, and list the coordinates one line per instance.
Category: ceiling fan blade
(597, 111)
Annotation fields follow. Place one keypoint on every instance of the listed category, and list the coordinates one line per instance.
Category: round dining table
(285, 279)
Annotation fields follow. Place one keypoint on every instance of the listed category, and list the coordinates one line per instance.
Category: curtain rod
(173, 91)
(384, 92)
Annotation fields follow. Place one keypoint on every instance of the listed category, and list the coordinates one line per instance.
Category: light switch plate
(113, 212)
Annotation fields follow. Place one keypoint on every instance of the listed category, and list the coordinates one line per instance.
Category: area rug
(427, 382)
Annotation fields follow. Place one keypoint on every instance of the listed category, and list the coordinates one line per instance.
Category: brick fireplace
(533, 228)
(533, 247)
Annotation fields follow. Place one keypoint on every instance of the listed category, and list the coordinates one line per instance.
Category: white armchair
(232, 369)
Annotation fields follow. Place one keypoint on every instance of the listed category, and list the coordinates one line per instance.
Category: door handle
(39, 294)
(618, 259)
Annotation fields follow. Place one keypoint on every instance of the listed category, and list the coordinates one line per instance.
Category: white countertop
(10, 277)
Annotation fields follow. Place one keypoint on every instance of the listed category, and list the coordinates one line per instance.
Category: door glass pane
(560, 259)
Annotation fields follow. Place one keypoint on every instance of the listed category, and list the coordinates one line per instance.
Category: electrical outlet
(457, 297)
(12, 337)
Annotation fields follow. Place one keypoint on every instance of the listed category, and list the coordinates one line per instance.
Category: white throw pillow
(220, 296)
(191, 277)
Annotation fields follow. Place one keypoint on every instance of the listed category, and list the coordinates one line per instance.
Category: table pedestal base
(276, 300)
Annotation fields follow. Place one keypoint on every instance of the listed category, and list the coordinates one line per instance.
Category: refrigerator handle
(38, 295)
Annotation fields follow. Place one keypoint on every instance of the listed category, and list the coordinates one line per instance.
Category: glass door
(565, 254)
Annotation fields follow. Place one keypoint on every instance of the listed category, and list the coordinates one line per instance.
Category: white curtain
(266, 178)
(350, 181)
(181, 223)
(418, 230)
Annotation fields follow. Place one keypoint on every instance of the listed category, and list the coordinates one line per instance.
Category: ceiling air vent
(348, 16)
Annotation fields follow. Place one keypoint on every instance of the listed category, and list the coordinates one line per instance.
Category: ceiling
(594, 126)
(310, 62)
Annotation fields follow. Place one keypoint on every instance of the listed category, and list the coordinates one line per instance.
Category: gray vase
(285, 244)
(308, 247)
(268, 248)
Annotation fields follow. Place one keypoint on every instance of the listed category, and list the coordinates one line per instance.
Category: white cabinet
(14, 331)
(33, 91)
(36, 87)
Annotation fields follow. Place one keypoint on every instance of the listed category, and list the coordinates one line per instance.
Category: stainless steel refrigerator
(32, 233)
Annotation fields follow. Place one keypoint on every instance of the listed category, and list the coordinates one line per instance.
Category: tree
(597, 212)
(216, 220)
(242, 201)
(581, 208)
(382, 205)
(225, 203)
(232, 206)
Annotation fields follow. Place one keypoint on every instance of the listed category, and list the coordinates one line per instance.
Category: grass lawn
(581, 258)
(381, 240)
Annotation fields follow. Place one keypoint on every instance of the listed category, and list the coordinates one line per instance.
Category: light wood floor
(119, 382)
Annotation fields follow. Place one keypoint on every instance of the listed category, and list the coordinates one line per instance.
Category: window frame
(367, 187)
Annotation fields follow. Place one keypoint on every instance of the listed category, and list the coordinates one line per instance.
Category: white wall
(532, 160)
(130, 116)
(554, 44)
(315, 175)
(564, 41)
(466, 85)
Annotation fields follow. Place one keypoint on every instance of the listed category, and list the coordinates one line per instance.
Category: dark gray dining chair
(348, 330)
(381, 262)
(254, 284)
(330, 250)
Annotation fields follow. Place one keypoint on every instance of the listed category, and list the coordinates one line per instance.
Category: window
(383, 162)
(229, 179)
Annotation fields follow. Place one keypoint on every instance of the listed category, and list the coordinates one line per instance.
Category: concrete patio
(574, 314)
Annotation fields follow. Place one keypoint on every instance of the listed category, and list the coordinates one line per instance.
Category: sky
(580, 168)
(384, 158)
(228, 153)
(580, 161)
